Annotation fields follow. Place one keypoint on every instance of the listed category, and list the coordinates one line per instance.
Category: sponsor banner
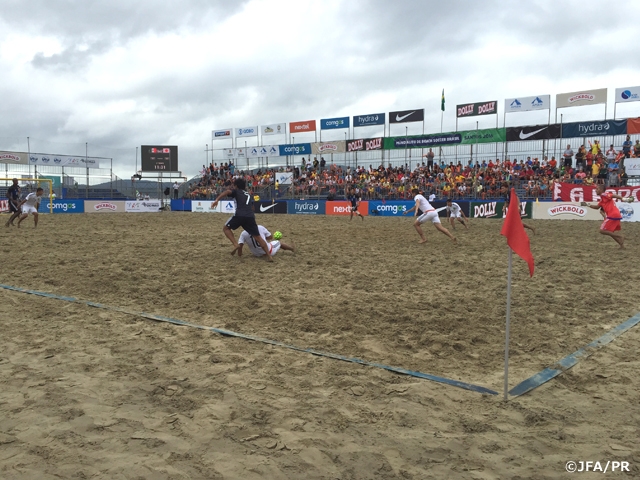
(527, 104)
(284, 178)
(206, 206)
(627, 94)
(62, 206)
(222, 134)
(630, 211)
(633, 126)
(390, 208)
(232, 153)
(264, 151)
(406, 116)
(632, 166)
(105, 206)
(247, 132)
(328, 147)
(143, 206)
(306, 207)
(578, 99)
(422, 141)
(589, 129)
(63, 161)
(295, 149)
(331, 123)
(475, 109)
(483, 135)
(270, 207)
(570, 192)
(306, 126)
(14, 157)
(273, 129)
(564, 211)
(4, 206)
(496, 209)
(367, 120)
(343, 208)
(533, 132)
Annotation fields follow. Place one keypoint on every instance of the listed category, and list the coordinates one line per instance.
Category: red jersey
(609, 206)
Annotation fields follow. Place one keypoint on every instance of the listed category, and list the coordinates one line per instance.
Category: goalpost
(38, 181)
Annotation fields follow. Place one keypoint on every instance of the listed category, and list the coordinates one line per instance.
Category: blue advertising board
(62, 206)
(330, 123)
(372, 119)
(295, 149)
(389, 208)
(306, 207)
(595, 129)
(181, 205)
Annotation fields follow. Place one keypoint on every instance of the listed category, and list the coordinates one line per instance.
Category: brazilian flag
(442, 104)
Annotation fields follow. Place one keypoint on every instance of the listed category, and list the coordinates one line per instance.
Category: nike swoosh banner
(577, 99)
(406, 116)
(533, 132)
(597, 129)
(269, 207)
(475, 109)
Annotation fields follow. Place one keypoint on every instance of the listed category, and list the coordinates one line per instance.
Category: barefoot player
(256, 249)
(429, 214)
(354, 198)
(612, 217)
(30, 205)
(13, 197)
(456, 213)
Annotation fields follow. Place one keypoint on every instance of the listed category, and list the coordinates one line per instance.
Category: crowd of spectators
(482, 179)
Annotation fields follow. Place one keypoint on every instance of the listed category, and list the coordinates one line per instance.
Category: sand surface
(93, 393)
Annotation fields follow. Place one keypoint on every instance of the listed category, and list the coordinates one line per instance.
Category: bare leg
(445, 231)
(618, 237)
(529, 227)
(418, 228)
(265, 246)
(229, 234)
(452, 221)
(35, 220)
(291, 248)
(463, 222)
(22, 217)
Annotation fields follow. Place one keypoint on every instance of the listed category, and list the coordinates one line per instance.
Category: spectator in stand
(580, 157)
(611, 154)
(580, 176)
(553, 163)
(430, 156)
(626, 149)
(568, 156)
(612, 169)
(636, 149)
(323, 162)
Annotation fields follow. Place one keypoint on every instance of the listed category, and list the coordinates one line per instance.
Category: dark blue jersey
(244, 203)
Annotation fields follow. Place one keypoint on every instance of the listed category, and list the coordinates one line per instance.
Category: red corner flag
(513, 229)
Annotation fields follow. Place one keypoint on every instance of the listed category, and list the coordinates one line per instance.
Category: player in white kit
(254, 246)
(429, 214)
(456, 213)
(30, 205)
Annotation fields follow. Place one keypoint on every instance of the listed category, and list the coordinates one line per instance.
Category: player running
(13, 197)
(354, 197)
(256, 249)
(30, 205)
(456, 213)
(612, 217)
(428, 214)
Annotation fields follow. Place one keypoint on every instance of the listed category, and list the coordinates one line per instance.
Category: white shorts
(274, 246)
(456, 215)
(28, 209)
(431, 216)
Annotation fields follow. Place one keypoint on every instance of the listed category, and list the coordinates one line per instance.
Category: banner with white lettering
(527, 104)
(627, 94)
(368, 120)
(589, 129)
(274, 129)
(570, 192)
(406, 116)
(578, 99)
(323, 148)
(332, 123)
(478, 108)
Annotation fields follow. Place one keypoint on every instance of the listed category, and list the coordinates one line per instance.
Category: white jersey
(32, 199)
(254, 246)
(423, 203)
(432, 197)
(454, 209)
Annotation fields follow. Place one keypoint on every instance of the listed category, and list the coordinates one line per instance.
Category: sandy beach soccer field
(90, 392)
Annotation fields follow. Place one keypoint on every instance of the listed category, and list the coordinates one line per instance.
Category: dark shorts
(13, 207)
(247, 223)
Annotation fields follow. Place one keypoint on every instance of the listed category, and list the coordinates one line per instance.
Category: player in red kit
(612, 216)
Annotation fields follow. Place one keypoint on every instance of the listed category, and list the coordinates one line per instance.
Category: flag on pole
(513, 229)
(442, 104)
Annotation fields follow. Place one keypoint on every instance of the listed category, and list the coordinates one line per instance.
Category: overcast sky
(119, 74)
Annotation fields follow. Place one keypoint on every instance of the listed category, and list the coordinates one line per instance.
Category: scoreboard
(159, 158)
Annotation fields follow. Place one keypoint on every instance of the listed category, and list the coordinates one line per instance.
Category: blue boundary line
(175, 321)
(570, 360)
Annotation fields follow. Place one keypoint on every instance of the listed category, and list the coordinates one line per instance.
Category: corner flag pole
(506, 341)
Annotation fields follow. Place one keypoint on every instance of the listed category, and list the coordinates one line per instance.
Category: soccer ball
(630, 199)
(277, 235)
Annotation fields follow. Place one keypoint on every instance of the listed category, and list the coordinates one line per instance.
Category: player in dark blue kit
(13, 196)
(354, 198)
(244, 216)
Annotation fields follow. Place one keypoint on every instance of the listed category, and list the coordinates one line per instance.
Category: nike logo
(400, 118)
(524, 136)
(264, 209)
